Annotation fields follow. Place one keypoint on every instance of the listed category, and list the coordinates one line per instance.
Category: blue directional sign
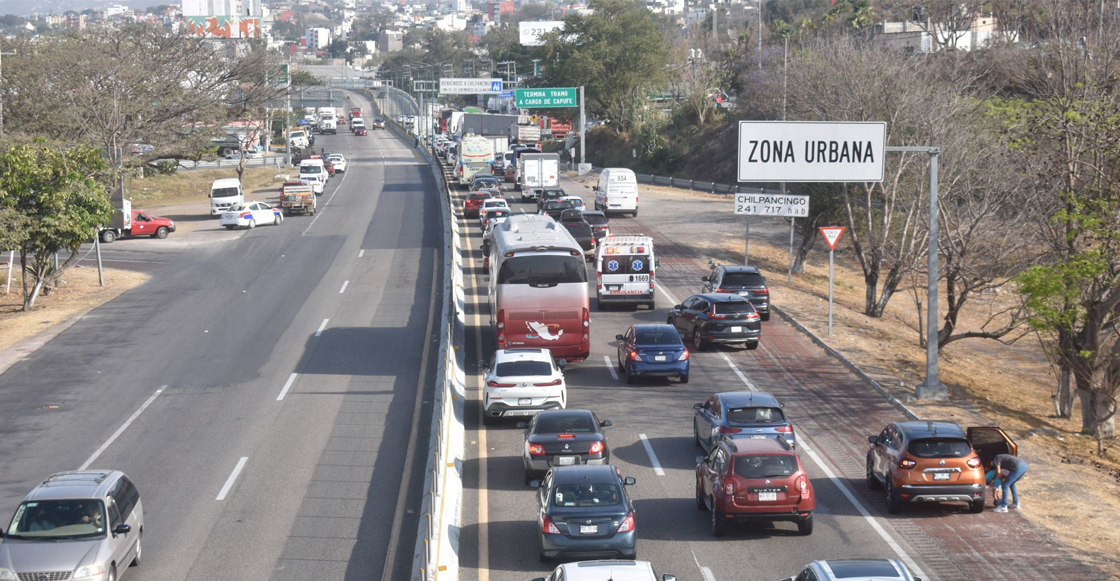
(496, 85)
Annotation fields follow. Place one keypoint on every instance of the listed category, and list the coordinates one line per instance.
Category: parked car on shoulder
(745, 281)
(717, 318)
(585, 511)
(740, 414)
(251, 214)
(563, 438)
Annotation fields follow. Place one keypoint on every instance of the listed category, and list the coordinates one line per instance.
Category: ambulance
(624, 268)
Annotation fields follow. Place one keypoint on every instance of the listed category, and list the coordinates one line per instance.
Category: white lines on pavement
(121, 429)
(652, 457)
(344, 285)
(287, 386)
(361, 253)
(321, 327)
(667, 294)
(735, 368)
(610, 367)
(318, 211)
(706, 573)
(232, 478)
(917, 571)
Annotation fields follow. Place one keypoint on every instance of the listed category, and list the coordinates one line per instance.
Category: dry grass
(194, 186)
(80, 292)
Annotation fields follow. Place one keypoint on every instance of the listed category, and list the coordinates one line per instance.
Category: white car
(249, 214)
(491, 204)
(606, 571)
(574, 202)
(338, 161)
(521, 382)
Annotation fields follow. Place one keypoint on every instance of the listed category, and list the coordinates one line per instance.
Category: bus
(538, 288)
(475, 155)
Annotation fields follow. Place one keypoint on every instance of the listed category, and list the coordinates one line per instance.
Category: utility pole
(288, 118)
(760, 34)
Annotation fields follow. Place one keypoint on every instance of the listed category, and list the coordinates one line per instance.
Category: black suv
(745, 281)
(717, 318)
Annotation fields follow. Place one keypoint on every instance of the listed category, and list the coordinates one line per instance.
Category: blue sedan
(652, 351)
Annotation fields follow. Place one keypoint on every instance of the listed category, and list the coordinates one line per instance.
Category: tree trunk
(37, 286)
(23, 275)
(1086, 397)
(807, 242)
(1065, 394)
(1104, 413)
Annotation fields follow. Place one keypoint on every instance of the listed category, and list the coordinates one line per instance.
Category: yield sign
(831, 235)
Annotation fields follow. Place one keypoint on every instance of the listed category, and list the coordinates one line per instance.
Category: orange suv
(933, 462)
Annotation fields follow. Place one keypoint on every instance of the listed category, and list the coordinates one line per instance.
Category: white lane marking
(652, 457)
(121, 429)
(610, 367)
(319, 212)
(706, 573)
(232, 478)
(344, 285)
(742, 376)
(667, 294)
(287, 386)
(361, 253)
(866, 515)
(321, 327)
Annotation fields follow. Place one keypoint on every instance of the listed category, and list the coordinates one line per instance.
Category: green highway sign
(546, 98)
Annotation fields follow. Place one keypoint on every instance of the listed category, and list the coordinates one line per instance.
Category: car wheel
(621, 367)
(108, 236)
(765, 316)
(652, 305)
(976, 506)
(893, 503)
(684, 378)
(161, 232)
(112, 574)
(252, 223)
(698, 340)
(487, 420)
(700, 499)
(230, 226)
(805, 527)
(276, 221)
(752, 345)
(139, 550)
(529, 477)
(635, 214)
(718, 526)
(544, 558)
(630, 377)
(872, 481)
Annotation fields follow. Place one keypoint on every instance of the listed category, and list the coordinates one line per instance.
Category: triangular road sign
(831, 235)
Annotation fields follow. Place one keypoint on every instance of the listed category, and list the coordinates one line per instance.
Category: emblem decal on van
(612, 265)
(548, 332)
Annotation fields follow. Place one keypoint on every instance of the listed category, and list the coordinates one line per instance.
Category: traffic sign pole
(747, 244)
(831, 237)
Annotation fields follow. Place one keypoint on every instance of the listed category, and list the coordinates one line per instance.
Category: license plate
(525, 401)
(736, 329)
(588, 529)
(566, 460)
(745, 293)
(641, 278)
(940, 475)
(758, 437)
(767, 496)
(613, 287)
(659, 358)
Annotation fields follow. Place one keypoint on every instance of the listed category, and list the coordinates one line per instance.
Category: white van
(313, 170)
(224, 194)
(624, 267)
(617, 191)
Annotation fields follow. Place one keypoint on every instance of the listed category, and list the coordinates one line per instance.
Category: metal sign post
(831, 237)
(11, 259)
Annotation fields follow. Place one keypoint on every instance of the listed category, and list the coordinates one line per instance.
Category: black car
(600, 224)
(745, 281)
(547, 195)
(563, 438)
(573, 222)
(717, 318)
(585, 511)
(554, 209)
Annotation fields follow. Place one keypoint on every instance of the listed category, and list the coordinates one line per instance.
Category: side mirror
(522, 425)
(699, 459)
(605, 424)
(539, 579)
(657, 264)
(668, 577)
(562, 363)
(873, 439)
(697, 406)
(595, 188)
(618, 337)
(678, 307)
(534, 484)
(788, 579)
(629, 481)
(122, 529)
(704, 279)
(482, 363)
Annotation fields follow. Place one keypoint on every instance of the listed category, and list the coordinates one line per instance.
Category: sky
(28, 7)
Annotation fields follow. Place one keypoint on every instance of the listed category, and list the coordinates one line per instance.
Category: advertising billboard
(224, 26)
(530, 32)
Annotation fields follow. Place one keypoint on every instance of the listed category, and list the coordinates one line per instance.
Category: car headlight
(8, 575)
(89, 571)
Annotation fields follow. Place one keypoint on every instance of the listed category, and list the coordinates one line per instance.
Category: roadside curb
(18, 352)
(847, 362)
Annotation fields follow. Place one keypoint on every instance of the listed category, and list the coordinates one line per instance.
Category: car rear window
(565, 424)
(660, 337)
(596, 220)
(587, 494)
(765, 466)
(519, 368)
(578, 230)
(742, 279)
(542, 271)
(940, 448)
(480, 196)
(733, 308)
(756, 415)
(863, 570)
(636, 264)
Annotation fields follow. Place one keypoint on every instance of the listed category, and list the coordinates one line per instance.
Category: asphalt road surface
(259, 389)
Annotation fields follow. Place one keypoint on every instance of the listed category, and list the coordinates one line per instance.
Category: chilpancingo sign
(796, 151)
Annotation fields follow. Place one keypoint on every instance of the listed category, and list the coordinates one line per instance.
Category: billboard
(224, 26)
(530, 32)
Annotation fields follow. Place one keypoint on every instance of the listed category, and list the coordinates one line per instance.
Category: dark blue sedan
(585, 512)
(652, 351)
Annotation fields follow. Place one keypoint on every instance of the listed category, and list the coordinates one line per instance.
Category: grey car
(740, 414)
(855, 570)
(83, 525)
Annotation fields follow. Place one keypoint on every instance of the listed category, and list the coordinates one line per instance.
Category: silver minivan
(84, 525)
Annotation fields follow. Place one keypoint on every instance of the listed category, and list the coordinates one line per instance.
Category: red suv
(749, 479)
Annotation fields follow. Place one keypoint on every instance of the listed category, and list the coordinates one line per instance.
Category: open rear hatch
(990, 441)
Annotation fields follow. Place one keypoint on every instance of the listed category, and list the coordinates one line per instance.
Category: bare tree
(945, 21)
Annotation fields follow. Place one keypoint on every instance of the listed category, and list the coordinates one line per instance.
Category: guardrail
(693, 185)
(276, 161)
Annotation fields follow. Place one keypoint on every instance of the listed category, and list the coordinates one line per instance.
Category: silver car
(83, 526)
(855, 570)
(606, 571)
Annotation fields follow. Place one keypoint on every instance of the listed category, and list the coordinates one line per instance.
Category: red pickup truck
(129, 222)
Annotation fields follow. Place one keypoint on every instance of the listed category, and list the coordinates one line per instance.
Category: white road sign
(832, 235)
(809, 151)
(470, 86)
(530, 32)
(772, 205)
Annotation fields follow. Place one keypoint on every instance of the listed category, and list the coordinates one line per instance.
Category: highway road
(651, 439)
(259, 389)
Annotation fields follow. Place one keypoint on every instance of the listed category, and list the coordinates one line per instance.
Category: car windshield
(587, 494)
(58, 519)
(525, 367)
(573, 203)
(742, 279)
(765, 466)
(223, 192)
(311, 169)
(940, 448)
(658, 337)
(636, 264)
(755, 415)
(239, 207)
(486, 183)
(733, 307)
(545, 270)
(565, 424)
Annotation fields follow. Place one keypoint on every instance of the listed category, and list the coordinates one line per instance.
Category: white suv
(606, 571)
(521, 382)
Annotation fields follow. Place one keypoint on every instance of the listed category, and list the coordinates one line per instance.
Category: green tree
(57, 197)
(618, 53)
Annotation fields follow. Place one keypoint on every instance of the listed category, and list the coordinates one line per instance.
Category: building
(317, 38)
(450, 22)
(931, 36)
(223, 18)
(390, 41)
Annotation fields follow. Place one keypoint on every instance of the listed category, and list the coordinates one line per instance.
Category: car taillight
(599, 280)
(634, 356)
(493, 383)
(596, 448)
(536, 450)
(548, 384)
(784, 429)
(727, 430)
(586, 323)
(729, 488)
(973, 462)
(684, 356)
(714, 315)
(723, 290)
(803, 484)
(548, 528)
(627, 524)
(907, 463)
(752, 316)
(651, 279)
(565, 436)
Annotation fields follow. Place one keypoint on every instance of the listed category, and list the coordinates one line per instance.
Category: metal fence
(693, 185)
(277, 161)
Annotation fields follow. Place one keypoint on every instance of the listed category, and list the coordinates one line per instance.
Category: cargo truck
(538, 171)
(525, 134)
(486, 124)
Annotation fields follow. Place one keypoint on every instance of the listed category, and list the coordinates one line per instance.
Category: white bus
(475, 155)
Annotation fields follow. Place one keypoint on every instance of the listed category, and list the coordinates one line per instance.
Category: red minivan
(752, 479)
